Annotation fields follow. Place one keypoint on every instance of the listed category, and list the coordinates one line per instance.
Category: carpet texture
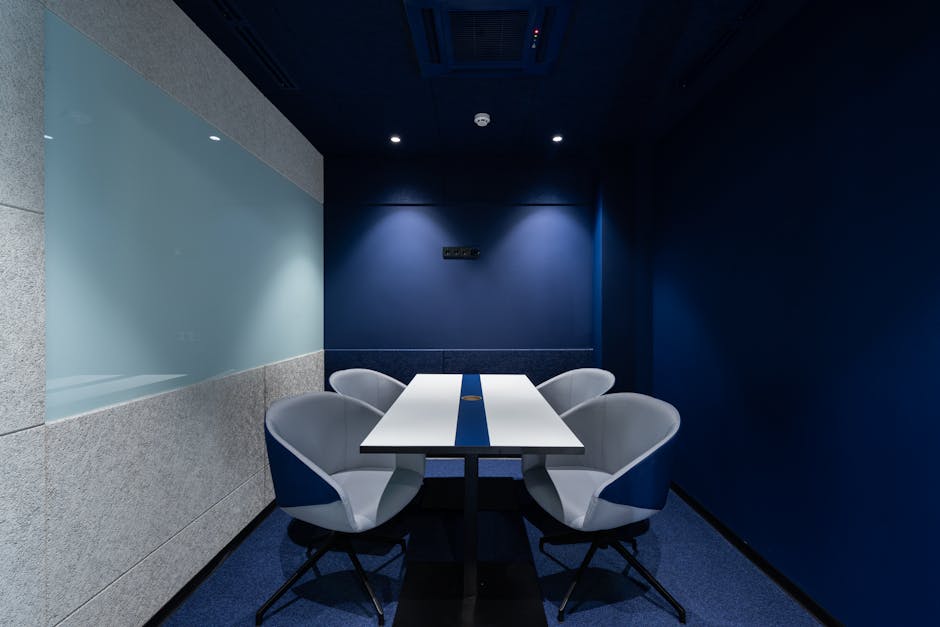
(709, 577)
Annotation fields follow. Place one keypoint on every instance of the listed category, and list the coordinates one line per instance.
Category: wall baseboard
(177, 600)
(801, 597)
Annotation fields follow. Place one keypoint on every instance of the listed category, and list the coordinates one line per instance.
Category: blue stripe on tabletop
(471, 414)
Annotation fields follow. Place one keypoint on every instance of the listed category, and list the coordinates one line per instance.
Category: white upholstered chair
(321, 478)
(575, 386)
(370, 386)
(622, 477)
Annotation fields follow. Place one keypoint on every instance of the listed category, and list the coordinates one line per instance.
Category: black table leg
(471, 470)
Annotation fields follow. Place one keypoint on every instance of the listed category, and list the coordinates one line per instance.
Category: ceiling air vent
(692, 74)
(226, 10)
(486, 38)
(243, 30)
(277, 73)
(482, 36)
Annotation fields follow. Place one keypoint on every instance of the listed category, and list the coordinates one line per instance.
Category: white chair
(370, 386)
(622, 477)
(321, 478)
(574, 387)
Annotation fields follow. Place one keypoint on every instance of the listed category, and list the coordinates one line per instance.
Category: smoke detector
(481, 119)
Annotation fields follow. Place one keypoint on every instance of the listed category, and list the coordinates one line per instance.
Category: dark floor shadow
(337, 590)
(378, 541)
(432, 588)
(598, 587)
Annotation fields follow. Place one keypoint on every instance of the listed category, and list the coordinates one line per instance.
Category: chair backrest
(574, 387)
(629, 436)
(312, 436)
(369, 386)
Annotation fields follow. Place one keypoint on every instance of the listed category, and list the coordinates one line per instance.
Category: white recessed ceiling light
(395, 139)
(215, 138)
(557, 139)
(48, 137)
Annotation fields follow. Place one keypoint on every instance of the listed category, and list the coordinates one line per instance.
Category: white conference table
(469, 415)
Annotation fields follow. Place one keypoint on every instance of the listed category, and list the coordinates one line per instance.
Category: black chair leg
(577, 578)
(365, 583)
(650, 578)
(316, 540)
(259, 615)
(332, 540)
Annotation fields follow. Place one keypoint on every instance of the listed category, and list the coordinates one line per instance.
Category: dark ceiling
(626, 71)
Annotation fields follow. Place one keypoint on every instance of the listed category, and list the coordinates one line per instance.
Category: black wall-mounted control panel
(460, 252)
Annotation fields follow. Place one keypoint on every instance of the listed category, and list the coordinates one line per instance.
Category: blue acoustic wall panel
(170, 258)
(538, 365)
(404, 364)
(797, 300)
(400, 364)
(388, 287)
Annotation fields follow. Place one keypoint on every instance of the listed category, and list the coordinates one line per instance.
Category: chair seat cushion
(377, 494)
(565, 492)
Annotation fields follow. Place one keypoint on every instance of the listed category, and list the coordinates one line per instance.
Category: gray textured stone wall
(22, 519)
(22, 315)
(22, 294)
(143, 494)
(21, 99)
(104, 516)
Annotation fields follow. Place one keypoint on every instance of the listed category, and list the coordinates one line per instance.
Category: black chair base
(333, 541)
(602, 540)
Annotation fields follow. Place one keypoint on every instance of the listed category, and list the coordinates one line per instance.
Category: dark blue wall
(797, 305)
(624, 269)
(387, 287)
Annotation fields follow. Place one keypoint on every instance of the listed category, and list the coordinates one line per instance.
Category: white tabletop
(511, 418)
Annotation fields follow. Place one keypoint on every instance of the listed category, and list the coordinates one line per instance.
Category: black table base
(471, 472)
(508, 594)
(437, 583)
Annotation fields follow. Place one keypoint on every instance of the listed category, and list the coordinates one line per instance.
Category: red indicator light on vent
(536, 31)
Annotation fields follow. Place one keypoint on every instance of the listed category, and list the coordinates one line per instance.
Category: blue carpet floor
(716, 584)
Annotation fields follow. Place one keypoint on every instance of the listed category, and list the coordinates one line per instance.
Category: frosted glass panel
(170, 258)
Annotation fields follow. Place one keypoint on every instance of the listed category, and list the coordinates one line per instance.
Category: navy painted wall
(387, 287)
(797, 305)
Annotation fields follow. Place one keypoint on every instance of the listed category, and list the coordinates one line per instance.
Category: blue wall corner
(598, 279)
(796, 299)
